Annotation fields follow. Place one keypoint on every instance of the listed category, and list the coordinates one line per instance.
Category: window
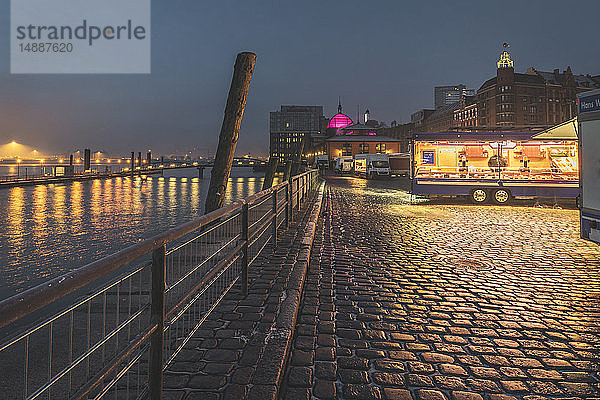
(364, 148)
(347, 149)
(380, 147)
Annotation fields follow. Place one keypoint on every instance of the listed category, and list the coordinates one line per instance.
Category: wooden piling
(270, 174)
(230, 130)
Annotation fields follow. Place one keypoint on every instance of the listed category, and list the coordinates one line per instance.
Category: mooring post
(270, 174)
(246, 238)
(230, 130)
(132, 162)
(157, 315)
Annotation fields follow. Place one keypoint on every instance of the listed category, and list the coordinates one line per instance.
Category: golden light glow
(13, 142)
(18, 161)
(42, 160)
(60, 160)
(78, 160)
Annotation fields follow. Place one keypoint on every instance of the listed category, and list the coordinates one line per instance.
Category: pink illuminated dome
(340, 121)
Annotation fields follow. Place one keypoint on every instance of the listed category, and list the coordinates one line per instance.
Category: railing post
(274, 218)
(157, 312)
(245, 238)
(298, 194)
(288, 198)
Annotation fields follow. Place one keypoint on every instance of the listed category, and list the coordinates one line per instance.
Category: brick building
(534, 98)
(351, 145)
(441, 119)
(466, 113)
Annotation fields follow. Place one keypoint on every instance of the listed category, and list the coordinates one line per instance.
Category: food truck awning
(563, 131)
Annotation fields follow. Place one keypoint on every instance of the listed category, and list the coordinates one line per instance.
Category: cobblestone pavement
(433, 302)
(220, 361)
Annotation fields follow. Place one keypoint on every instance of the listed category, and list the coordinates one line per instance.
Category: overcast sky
(384, 55)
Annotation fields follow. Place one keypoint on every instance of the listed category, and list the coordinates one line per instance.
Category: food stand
(496, 165)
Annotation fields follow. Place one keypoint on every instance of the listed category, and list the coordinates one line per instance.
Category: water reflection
(47, 230)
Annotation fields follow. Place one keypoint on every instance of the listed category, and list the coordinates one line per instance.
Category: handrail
(205, 258)
(30, 300)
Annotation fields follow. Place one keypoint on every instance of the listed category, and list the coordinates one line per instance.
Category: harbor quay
(407, 300)
(324, 287)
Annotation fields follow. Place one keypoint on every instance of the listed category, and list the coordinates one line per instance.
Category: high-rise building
(447, 95)
(291, 124)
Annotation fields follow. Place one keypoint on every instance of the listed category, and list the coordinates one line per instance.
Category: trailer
(588, 108)
(399, 164)
(496, 166)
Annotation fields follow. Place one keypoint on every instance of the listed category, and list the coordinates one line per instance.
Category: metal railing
(141, 305)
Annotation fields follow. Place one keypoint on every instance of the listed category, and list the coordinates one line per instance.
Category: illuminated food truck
(497, 166)
(588, 106)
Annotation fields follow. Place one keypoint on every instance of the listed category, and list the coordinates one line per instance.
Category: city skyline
(389, 65)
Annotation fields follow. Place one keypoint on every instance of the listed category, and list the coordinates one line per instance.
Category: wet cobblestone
(449, 302)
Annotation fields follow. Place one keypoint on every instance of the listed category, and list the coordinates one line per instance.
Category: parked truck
(588, 107)
(372, 165)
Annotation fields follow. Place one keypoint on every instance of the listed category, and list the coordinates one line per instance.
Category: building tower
(367, 115)
(339, 105)
(505, 60)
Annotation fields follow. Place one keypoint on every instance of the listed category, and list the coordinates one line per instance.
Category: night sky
(384, 55)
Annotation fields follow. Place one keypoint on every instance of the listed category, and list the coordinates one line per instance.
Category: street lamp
(18, 165)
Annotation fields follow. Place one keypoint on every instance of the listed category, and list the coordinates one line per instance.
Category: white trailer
(588, 107)
(372, 165)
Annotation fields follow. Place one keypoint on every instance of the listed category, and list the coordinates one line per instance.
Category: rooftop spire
(339, 105)
(505, 61)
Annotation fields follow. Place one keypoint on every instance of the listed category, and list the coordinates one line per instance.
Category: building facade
(441, 119)
(466, 114)
(446, 95)
(291, 124)
(351, 145)
(531, 99)
(402, 132)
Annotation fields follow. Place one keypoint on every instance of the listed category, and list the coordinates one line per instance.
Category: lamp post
(18, 167)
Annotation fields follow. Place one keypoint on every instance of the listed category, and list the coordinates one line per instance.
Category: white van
(344, 164)
(372, 165)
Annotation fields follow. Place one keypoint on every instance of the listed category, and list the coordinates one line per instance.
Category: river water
(48, 230)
